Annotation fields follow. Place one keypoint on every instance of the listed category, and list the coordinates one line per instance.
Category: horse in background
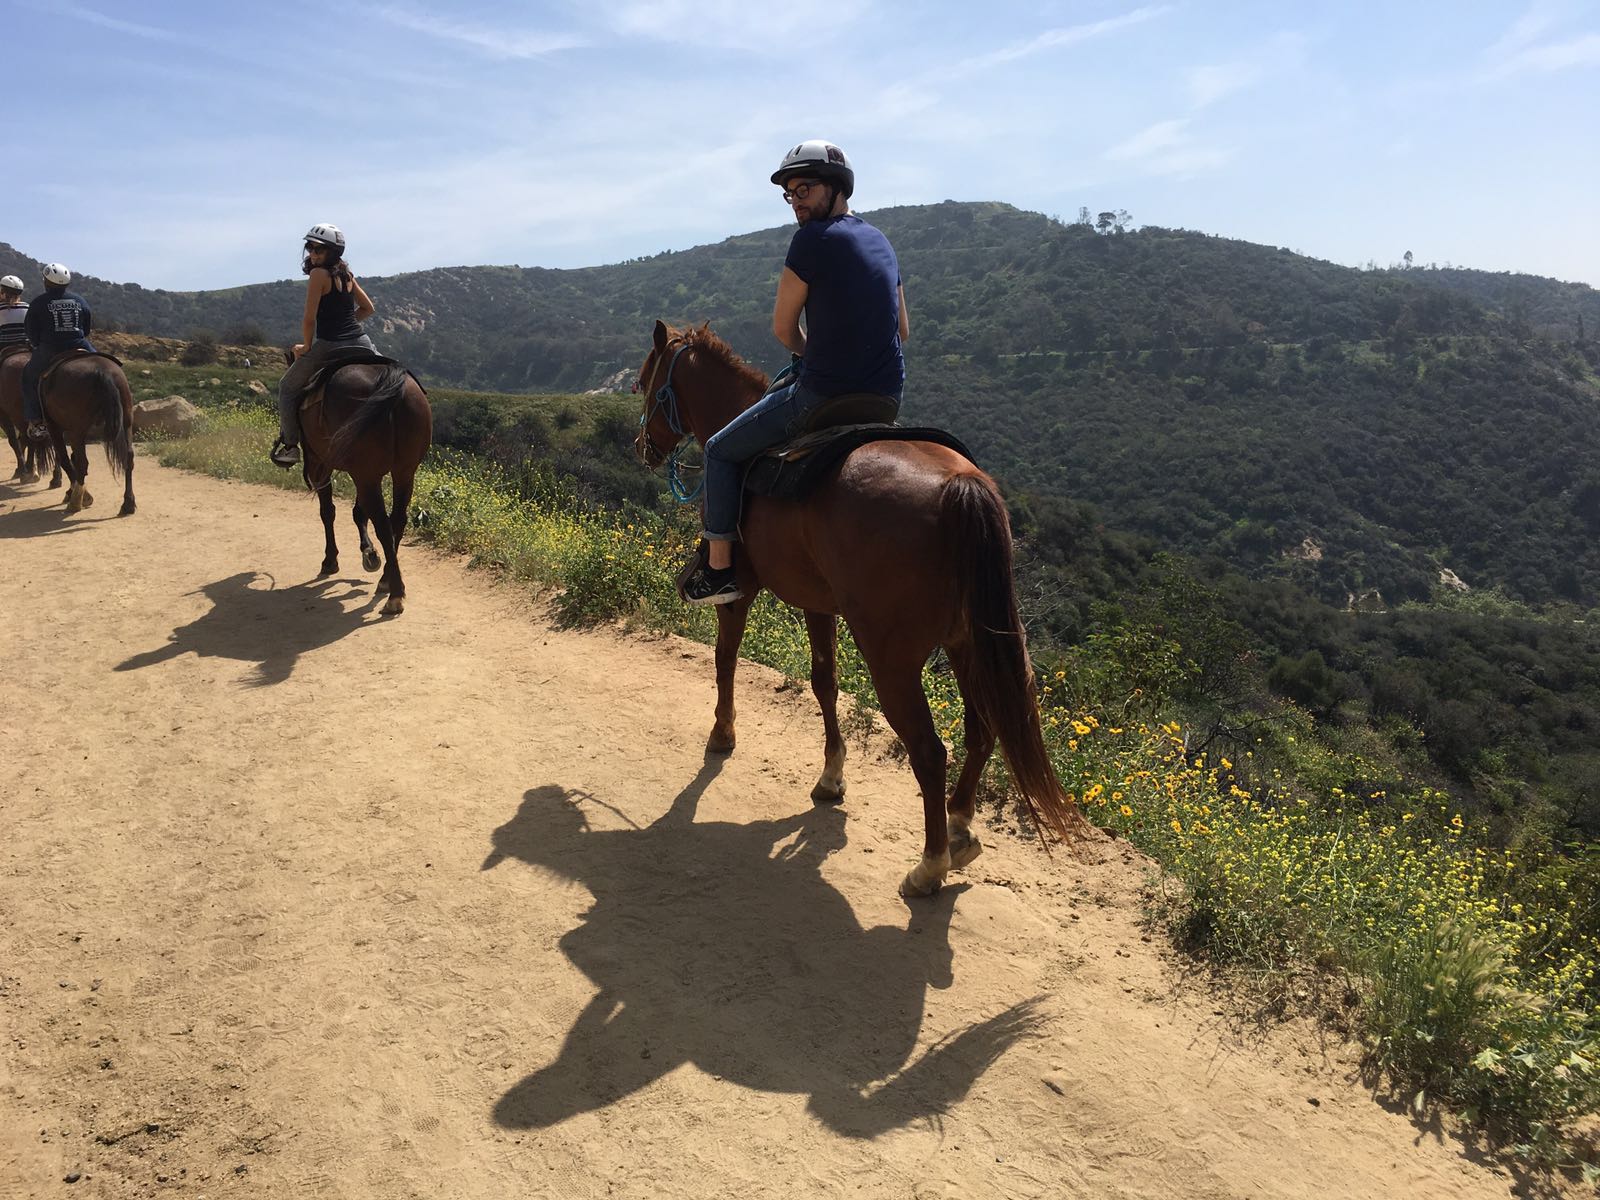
(911, 544)
(35, 456)
(86, 398)
(367, 419)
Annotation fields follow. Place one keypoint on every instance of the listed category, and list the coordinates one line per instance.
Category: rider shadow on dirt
(43, 522)
(269, 626)
(722, 945)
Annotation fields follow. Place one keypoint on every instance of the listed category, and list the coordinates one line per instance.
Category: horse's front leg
(823, 631)
(330, 549)
(731, 620)
(370, 561)
(21, 450)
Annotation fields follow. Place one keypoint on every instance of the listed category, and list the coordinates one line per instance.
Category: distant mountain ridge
(1220, 396)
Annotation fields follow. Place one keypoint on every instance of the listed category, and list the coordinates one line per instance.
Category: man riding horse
(842, 274)
(13, 312)
(58, 322)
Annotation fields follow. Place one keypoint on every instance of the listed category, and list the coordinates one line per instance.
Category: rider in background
(57, 321)
(335, 308)
(13, 312)
(843, 275)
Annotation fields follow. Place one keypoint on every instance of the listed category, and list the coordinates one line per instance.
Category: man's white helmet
(56, 275)
(11, 283)
(820, 159)
(328, 235)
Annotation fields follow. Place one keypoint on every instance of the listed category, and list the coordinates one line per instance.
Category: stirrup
(707, 586)
(284, 455)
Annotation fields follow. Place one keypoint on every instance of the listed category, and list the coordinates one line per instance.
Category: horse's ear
(662, 335)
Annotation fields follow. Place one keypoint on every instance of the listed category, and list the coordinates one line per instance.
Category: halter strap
(665, 401)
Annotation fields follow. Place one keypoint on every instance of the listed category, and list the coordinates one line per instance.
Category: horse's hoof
(395, 606)
(826, 793)
(87, 498)
(911, 890)
(926, 878)
(370, 560)
(127, 509)
(55, 483)
(328, 569)
(964, 847)
(719, 742)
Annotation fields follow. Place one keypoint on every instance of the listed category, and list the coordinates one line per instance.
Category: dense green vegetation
(1308, 438)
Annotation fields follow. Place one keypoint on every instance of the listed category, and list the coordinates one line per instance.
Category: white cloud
(94, 17)
(760, 27)
(496, 42)
(1051, 39)
(1522, 49)
(1166, 148)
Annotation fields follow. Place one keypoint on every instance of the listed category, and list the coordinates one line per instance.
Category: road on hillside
(299, 901)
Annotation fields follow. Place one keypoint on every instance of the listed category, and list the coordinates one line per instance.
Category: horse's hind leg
(330, 547)
(370, 497)
(897, 675)
(370, 561)
(823, 630)
(731, 619)
(58, 442)
(128, 505)
(979, 738)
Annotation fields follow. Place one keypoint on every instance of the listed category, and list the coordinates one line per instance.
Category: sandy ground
(296, 901)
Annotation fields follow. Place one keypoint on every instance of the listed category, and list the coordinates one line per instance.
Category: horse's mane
(701, 338)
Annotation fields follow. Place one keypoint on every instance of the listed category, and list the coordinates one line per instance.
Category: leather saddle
(11, 348)
(336, 362)
(841, 424)
(68, 356)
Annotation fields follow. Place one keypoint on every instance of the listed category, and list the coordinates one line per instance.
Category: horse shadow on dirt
(271, 626)
(722, 945)
(43, 522)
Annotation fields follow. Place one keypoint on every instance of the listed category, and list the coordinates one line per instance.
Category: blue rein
(666, 402)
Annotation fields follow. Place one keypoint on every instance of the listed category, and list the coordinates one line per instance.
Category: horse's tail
(115, 400)
(1001, 687)
(376, 408)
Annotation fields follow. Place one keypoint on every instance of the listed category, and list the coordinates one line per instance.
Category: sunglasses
(800, 190)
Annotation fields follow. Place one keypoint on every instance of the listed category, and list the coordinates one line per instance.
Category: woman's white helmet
(328, 235)
(10, 283)
(820, 159)
(56, 275)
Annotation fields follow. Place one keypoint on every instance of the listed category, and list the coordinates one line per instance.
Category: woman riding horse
(335, 307)
(58, 321)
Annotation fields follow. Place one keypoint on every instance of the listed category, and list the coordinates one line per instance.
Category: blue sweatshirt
(58, 318)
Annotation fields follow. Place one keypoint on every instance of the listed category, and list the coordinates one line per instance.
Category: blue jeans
(43, 356)
(770, 421)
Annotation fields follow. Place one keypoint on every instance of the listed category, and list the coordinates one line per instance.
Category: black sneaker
(285, 456)
(38, 430)
(706, 586)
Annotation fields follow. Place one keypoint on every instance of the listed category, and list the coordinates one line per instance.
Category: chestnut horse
(35, 456)
(86, 398)
(910, 543)
(368, 420)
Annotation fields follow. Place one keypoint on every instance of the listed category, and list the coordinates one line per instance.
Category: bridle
(664, 400)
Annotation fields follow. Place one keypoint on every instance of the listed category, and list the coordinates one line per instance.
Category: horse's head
(661, 425)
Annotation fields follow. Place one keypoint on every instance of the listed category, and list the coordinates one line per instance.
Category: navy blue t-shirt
(852, 307)
(58, 318)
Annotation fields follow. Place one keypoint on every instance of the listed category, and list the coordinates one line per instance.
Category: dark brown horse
(910, 543)
(35, 456)
(368, 420)
(86, 399)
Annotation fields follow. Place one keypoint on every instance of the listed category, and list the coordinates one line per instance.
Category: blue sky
(189, 145)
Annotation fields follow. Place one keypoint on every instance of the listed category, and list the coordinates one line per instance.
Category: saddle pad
(68, 356)
(794, 470)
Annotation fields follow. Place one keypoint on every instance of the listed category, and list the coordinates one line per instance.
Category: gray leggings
(293, 383)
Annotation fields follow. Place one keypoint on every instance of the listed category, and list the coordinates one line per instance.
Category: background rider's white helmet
(56, 275)
(328, 235)
(11, 283)
(820, 160)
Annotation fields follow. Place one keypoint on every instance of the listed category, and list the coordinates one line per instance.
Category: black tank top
(336, 314)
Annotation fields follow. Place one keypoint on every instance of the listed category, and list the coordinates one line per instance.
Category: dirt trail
(296, 901)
